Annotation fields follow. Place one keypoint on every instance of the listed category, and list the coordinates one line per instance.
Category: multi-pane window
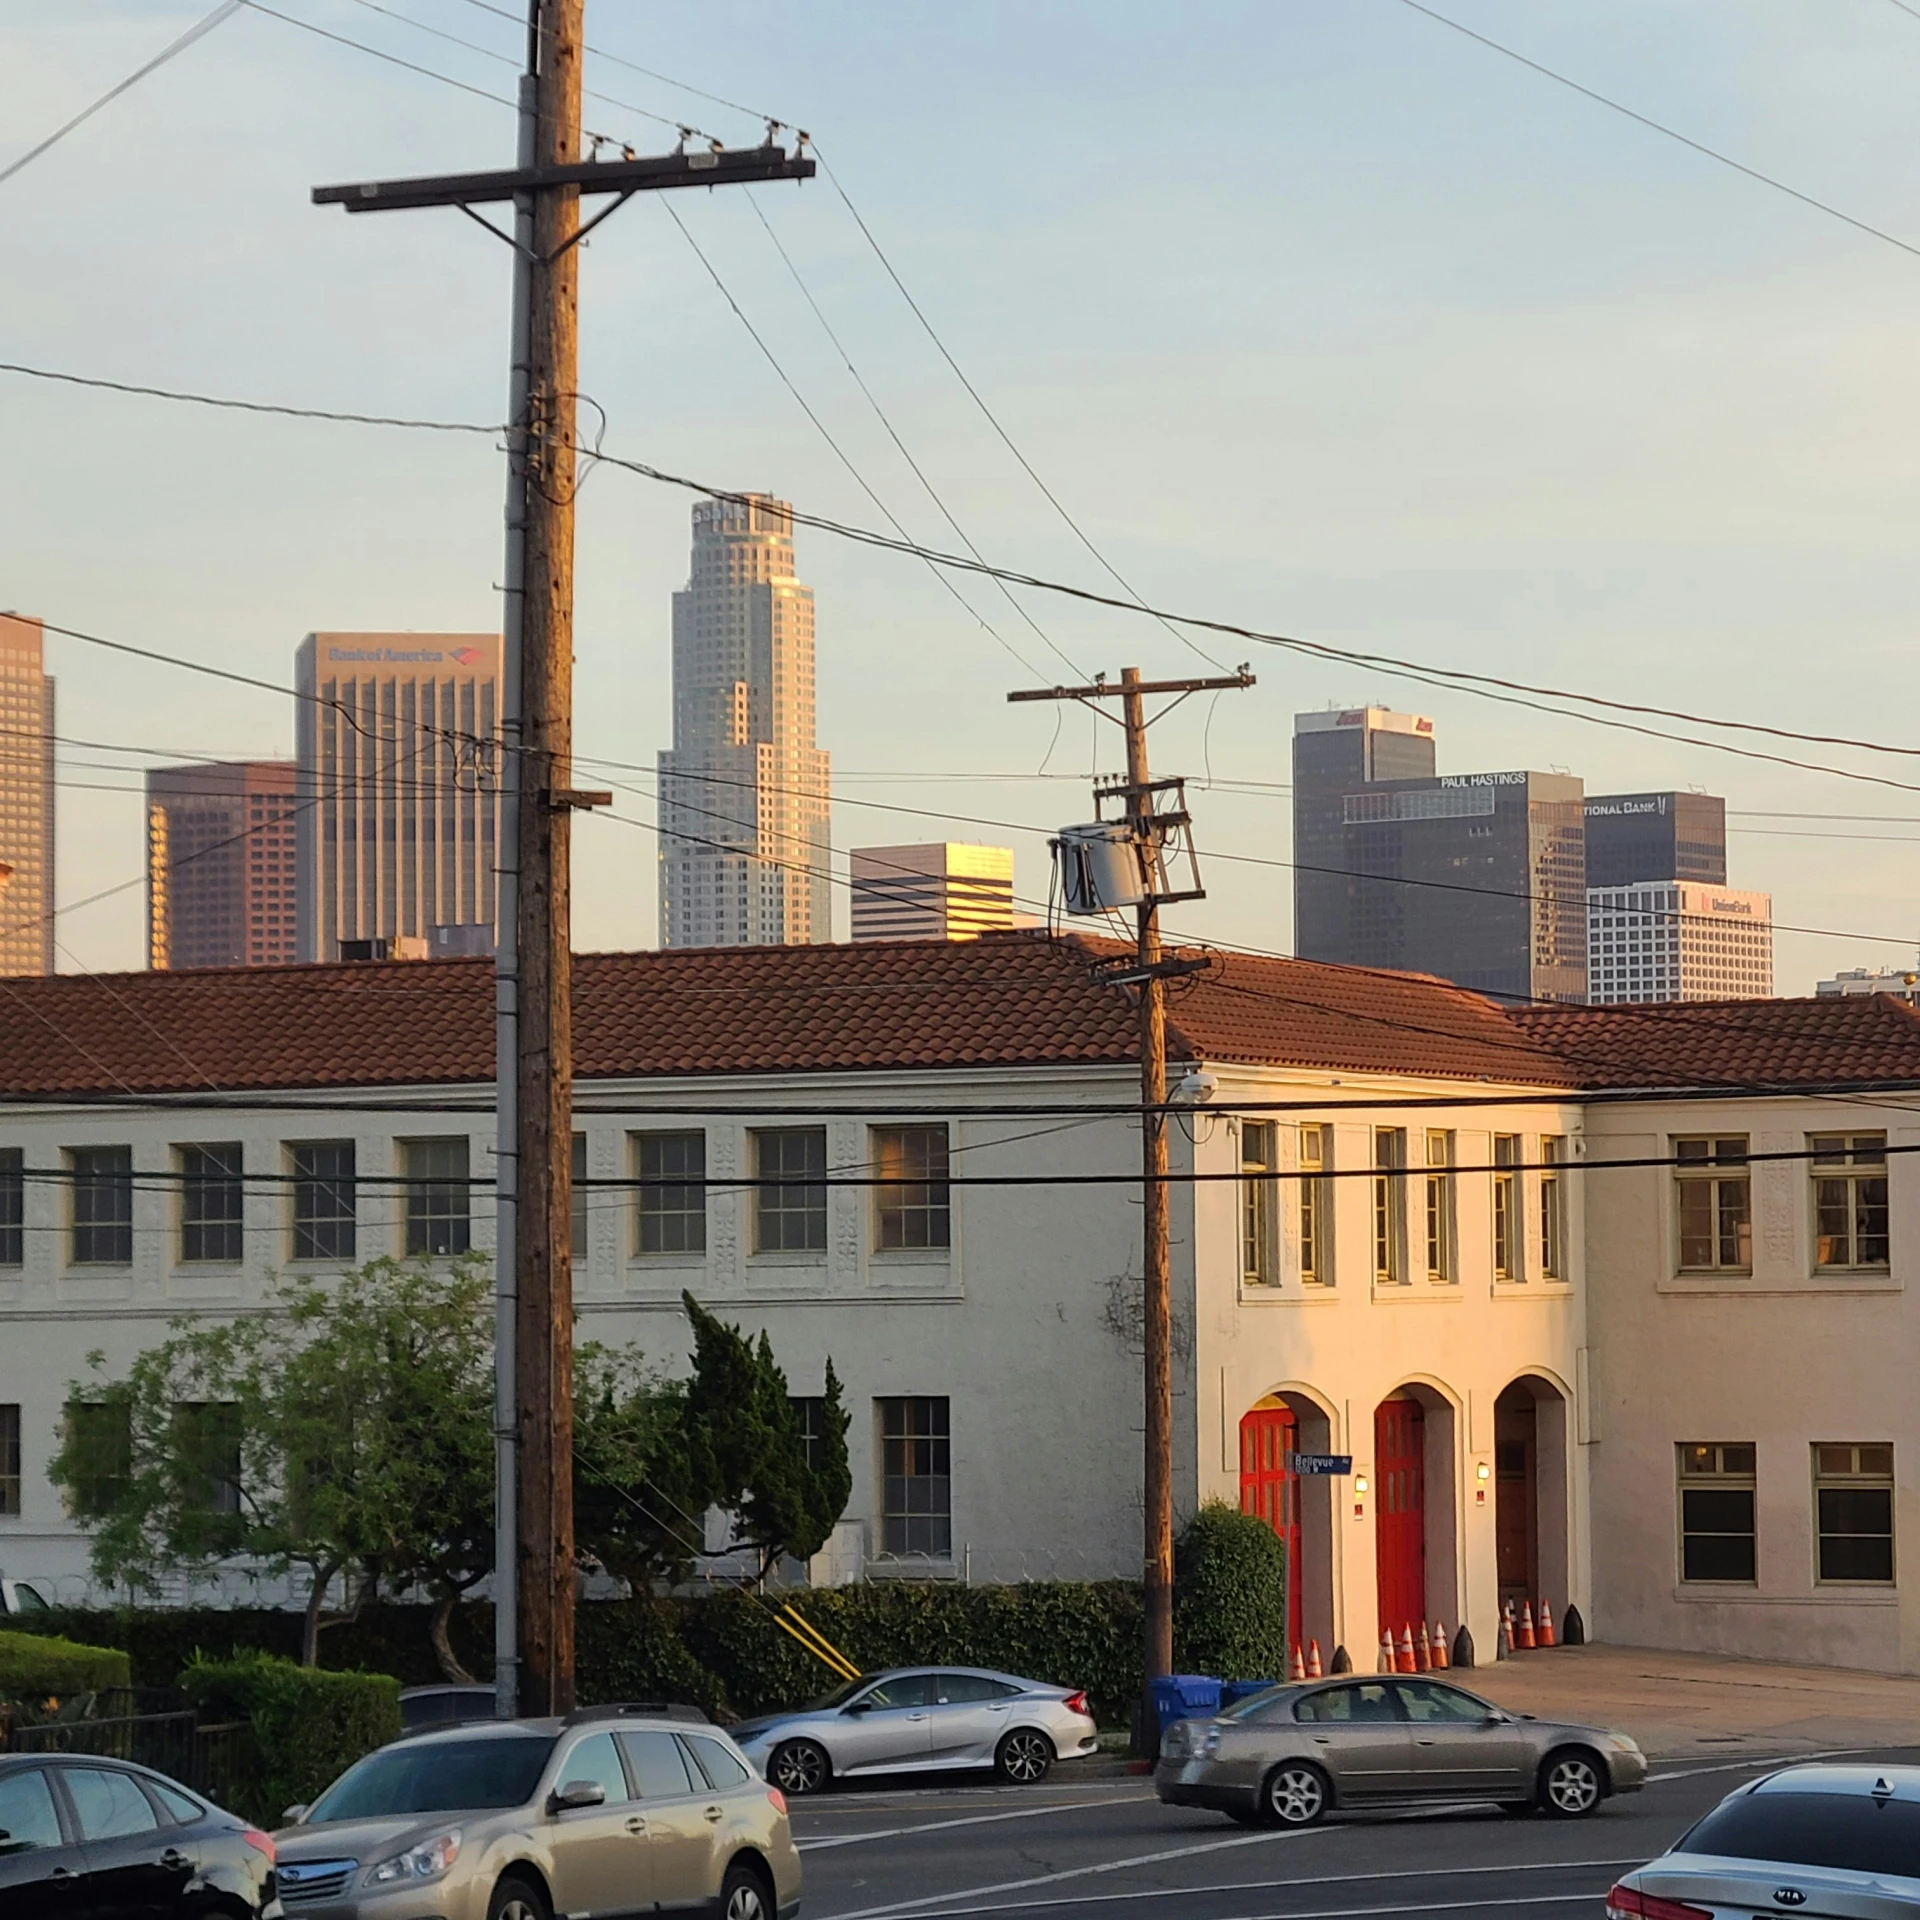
(1853, 1503)
(671, 1203)
(1258, 1265)
(1439, 1204)
(212, 1203)
(1506, 1207)
(1316, 1204)
(438, 1203)
(207, 1434)
(9, 1459)
(810, 1416)
(1553, 1203)
(913, 1209)
(790, 1204)
(1716, 1510)
(577, 1191)
(323, 1199)
(916, 1490)
(1849, 1200)
(1714, 1204)
(1389, 1204)
(102, 1198)
(100, 1444)
(13, 1207)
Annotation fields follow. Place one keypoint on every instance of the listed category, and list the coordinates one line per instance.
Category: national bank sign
(406, 656)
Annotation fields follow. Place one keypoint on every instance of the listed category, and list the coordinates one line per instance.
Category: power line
(377, 53)
(198, 31)
(1712, 153)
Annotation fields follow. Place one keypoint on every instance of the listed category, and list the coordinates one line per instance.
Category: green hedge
(309, 1724)
(35, 1668)
(1230, 1596)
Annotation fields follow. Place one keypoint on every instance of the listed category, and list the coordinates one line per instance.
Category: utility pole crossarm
(728, 167)
(1113, 689)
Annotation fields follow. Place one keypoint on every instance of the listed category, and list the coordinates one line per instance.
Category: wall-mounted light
(1360, 1483)
(1483, 1473)
(1359, 1496)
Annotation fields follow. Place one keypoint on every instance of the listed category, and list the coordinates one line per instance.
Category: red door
(1400, 1513)
(1271, 1489)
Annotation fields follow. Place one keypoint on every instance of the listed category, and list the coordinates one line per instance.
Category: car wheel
(1294, 1794)
(1572, 1784)
(517, 1899)
(799, 1767)
(1024, 1757)
(745, 1894)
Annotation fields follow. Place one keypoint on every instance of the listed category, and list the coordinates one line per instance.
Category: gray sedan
(1283, 1758)
(915, 1720)
(1839, 1841)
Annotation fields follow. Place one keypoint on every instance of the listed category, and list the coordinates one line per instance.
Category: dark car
(112, 1841)
(444, 1706)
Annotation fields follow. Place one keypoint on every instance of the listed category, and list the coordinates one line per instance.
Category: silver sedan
(922, 1719)
(1840, 1841)
(1283, 1758)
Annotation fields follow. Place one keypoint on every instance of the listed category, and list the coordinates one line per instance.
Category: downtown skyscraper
(743, 790)
(26, 800)
(221, 865)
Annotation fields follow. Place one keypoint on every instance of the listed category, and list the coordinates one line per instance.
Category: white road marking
(1077, 1873)
(1272, 1886)
(1756, 1761)
(968, 1820)
(1434, 1906)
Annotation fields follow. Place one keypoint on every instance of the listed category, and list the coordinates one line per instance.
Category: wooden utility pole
(533, 1354)
(1151, 828)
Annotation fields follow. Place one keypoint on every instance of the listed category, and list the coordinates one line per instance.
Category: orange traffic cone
(1296, 1667)
(1313, 1660)
(1546, 1625)
(1422, 1652)
(1386, 1650)
(1440, 1660)
(1405, 1663)
(1524, 1639)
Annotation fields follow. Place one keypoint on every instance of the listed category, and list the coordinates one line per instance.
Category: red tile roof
(1007, 1000)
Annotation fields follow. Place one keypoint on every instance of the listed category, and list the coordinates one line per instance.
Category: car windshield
(1845, 1830)
(438, 1776)
(839, 1696)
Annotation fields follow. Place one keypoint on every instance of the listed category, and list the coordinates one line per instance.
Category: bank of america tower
(744, 790)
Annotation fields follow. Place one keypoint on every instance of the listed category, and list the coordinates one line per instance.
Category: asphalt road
(1107, 1850)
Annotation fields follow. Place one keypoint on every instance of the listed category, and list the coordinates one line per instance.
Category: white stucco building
(1392, 1240)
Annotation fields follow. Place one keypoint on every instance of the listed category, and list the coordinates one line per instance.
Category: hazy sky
(1317, 316)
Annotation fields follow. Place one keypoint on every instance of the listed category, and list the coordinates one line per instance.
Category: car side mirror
(579, 1793)
(858, 1706)
(1496, 1719)
(293, 1815)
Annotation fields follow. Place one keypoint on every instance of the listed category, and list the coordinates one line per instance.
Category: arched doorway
(1270, 1487)
(1400, 1511)
(1530, 1492)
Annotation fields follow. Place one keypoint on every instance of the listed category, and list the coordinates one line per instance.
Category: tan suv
(611, 1811)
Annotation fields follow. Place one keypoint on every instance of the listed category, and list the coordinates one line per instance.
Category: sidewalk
(1696, 1705)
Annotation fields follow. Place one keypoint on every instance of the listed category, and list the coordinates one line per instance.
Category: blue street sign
(1320, 1463)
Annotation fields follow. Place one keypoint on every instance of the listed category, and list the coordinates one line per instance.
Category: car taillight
(777, 1800)
(261, 1843)
(1077, 1703)
(1625, 1902)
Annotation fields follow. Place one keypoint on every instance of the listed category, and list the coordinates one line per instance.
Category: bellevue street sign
(1323, 1463)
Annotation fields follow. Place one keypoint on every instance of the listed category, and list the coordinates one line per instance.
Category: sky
(1317, 316)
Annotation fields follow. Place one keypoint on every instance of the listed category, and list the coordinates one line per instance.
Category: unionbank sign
(406, 656)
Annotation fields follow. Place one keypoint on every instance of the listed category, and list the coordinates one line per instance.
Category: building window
(102, 1223)
(577, 1200)
(1853, 1503)
(207, 1435)
(323, 1200)
(1850, 1200)
(1553, 1201)
(916, 1212)
(1506, 1207)
(671, 1207)
(100, 1443)
(1316, 1205)
(9, 1459)
(13, 1207)
(916, 1490)
(1716, 1511)
(790, 1208)
(1389, 1205)
(1715, 1206)
(1257, 1263)
(438, 1213)
(212, 1203)
(810, 1416)
(1439, 1208)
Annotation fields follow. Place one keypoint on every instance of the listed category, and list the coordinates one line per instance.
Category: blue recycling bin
(1185, 1696)
(1238, 1690)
